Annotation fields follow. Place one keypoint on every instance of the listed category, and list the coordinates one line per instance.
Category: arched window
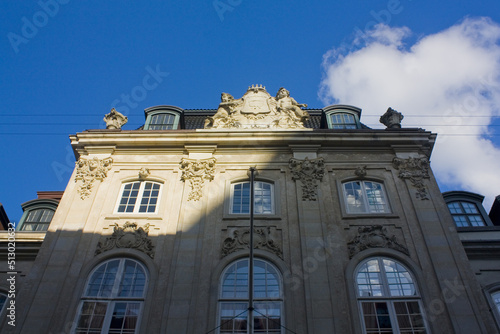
(139, 197)
(233, 298)
(365, 197)
(113, 298)
(263, 198)
(388, 297)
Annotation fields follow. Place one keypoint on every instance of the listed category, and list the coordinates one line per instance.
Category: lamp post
(252, 172)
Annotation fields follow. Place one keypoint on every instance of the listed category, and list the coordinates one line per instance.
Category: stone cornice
(364, 139)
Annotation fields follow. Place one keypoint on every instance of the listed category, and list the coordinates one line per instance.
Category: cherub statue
(289, 106)
(226, 108)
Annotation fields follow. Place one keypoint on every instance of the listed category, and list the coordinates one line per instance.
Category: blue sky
(65, 63)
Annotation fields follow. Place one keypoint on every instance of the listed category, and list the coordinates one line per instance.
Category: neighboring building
(480, 236)
(352, 234)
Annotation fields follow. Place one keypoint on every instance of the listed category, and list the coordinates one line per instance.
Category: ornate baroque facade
(351, 231)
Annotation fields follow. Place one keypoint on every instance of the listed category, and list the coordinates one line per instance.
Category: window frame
(139, 198)
(114, 298)
(386, 297)
(244, 299)
(366, 204)
(344, 125)
(272, 195)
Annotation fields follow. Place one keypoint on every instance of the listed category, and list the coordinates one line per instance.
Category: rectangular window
(365, 197)
(263, 198)
(139, 197)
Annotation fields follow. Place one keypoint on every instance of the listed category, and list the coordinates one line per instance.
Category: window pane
(103, 279)
(476, 220)
(469, 207)
(263, 198)
(124, 319)
(133, 280)
(343, 121)
(149, 197)
(129, 197)
(91, 317)
(496, 299)
(410, 319)
(233, 317)
(455, 207)
(460, 221)
(354, 197)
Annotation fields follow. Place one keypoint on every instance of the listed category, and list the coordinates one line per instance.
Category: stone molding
(89, 170)
(128, 236)
(309, 172)
(238, 238)
(257, 109)
(197, 171)
(374, 236)
(115, 120)
(416, 170)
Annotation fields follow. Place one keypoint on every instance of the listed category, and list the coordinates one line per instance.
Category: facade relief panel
(267, 238)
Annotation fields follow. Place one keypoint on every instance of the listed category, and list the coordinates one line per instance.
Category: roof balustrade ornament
(391, 119)
(115, 120)
(89, 170)
(257, 109)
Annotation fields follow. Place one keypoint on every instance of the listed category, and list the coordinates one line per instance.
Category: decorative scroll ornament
(416, 170)
(89, 170)
(128, 236)
(257, 109)
(115, 120)
(197, 172)
(239, 239)
(308, 172)
(374, 237)
(391, 119)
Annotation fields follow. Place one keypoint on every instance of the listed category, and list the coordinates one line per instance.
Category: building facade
(351, 233)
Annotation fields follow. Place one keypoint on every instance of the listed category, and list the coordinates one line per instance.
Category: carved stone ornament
(128, 236)
(197, 172)
(391, 119)
(115, 120)
(89, 170)
(416, 170)
(257, 109)
(375, 236)
(144, 173)
(309, 172)
(360, 172)
(265, 238)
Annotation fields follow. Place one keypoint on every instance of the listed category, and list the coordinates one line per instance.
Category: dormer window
(38, 214)
(164, 118)
(467, 209)
(341, 117)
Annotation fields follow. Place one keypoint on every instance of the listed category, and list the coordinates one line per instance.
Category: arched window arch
(233, 298)
(263, 198)
(139, 197)
(113, 298)
(388, 297)
(363, 196)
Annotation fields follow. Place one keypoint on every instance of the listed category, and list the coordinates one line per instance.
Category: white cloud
(453, 77)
